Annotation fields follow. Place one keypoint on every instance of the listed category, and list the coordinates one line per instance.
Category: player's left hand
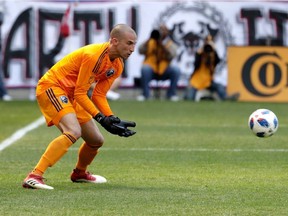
(123, 126)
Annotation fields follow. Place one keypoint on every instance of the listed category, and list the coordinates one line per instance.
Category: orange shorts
(54, 104)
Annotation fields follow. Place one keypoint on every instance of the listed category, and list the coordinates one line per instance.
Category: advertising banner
(258, 73)
(36, 34)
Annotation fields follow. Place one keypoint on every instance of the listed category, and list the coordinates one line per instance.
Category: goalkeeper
(62, 97)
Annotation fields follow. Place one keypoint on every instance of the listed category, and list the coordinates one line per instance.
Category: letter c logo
(264, 75)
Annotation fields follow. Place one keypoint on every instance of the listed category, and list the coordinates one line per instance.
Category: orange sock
(55, 150)
(86, 155)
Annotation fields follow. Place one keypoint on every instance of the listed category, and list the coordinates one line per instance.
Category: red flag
(64, 28)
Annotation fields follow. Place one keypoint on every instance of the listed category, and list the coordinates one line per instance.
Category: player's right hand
(123, 124)
(108, 123)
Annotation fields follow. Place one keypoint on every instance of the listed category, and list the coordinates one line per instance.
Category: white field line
(20, 133)
(187, 149)
(23, 131)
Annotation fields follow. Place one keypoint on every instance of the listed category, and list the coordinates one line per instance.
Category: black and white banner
(35, 34)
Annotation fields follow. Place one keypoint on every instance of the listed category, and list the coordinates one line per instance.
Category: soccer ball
(263, 123)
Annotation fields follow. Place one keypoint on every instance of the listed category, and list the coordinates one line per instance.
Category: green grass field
(186, 159)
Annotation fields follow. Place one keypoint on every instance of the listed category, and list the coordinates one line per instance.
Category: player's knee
(98, 142)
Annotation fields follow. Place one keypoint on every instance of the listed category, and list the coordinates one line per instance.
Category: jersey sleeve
(84, 81)
(102, 86)
(99, 96)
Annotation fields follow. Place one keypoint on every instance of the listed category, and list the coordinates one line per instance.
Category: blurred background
(250, 38)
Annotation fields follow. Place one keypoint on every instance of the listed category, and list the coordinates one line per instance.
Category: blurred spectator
(159, 50)
(206, 60)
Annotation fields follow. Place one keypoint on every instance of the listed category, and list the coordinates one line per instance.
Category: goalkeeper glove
(123, 125)
(108, 123)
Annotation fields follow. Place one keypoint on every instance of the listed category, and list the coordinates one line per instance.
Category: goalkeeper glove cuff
(99, 117)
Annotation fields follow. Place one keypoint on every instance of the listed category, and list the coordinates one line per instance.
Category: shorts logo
(110, 72)
(64, 99)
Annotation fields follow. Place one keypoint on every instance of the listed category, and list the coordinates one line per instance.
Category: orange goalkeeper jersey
(78, 70)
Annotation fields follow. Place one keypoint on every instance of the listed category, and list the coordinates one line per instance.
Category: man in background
(206, 60)
(159, 50)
